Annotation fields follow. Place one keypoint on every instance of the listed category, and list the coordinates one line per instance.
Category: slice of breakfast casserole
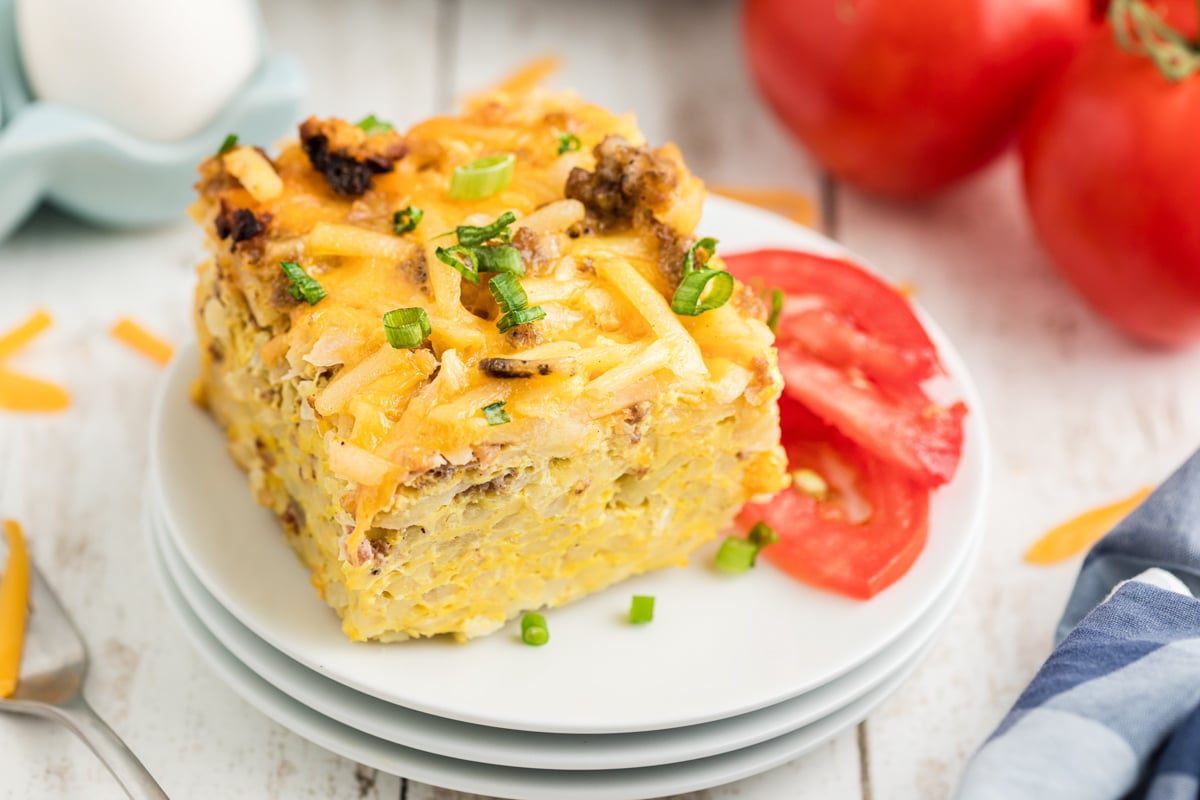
(483, 366)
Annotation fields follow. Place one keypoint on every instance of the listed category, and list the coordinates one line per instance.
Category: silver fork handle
(133, 776)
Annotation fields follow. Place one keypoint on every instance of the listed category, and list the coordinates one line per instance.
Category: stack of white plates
(734, 676)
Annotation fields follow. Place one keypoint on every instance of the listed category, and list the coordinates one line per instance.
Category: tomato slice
(854, 357)
(826, 543)
(846, 289)
(852, 351)
(836, 340)
(902, 426)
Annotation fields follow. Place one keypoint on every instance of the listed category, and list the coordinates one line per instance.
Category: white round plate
(512, 782)
(535, 750)
(598, 675)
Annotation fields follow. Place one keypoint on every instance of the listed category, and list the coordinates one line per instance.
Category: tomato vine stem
(1140, 30)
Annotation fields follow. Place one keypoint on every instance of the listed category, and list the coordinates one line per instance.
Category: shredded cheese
(331, 239)
(23, 334)
(138, 338)
(21, 393)
(654, 309)
(14, 608)
(1080, 533)
(785, 202)
(255, 173)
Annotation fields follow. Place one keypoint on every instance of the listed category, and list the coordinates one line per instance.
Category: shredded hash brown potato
(635, 434)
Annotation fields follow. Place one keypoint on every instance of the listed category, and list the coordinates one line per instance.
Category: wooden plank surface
(1079, 415)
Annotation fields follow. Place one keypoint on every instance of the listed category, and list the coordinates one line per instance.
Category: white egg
(158, 69)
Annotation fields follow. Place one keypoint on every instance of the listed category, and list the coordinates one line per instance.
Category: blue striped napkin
(1115, 711)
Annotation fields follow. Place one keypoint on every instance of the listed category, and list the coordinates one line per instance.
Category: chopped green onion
(641, 610)
(482, 178)
(811, 483)
(499, 258)
(762, 535)
(495, 413)
(776, 309)
(406, 327)
(736, 555)
(462, 259)
(508, 292)
(372, 125)
(230, 142)
(302, 286)
(534, 630)
(520, 316)
(695, 296)
(568, 143)
(473, 235)
(406, 219)
(708, 246)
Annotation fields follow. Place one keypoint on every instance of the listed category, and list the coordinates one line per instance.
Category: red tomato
(904, 97)
(900, 426)
(825, 542)
(847, 290)
(852, 351)
(1112, 178)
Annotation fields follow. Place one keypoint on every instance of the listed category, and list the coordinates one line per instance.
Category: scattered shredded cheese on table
(1080, 533)
(14, 607)
(23, 334)
(135, 336)
(19, 392)
(785, 202)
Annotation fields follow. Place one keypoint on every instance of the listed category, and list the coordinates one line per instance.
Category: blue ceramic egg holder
(91, 169)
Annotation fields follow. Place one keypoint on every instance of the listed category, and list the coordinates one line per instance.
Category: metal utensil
(52, 668)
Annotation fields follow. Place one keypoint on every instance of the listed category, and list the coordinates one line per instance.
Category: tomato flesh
(841, 287)
(853, 355)
(908, 430)
(819, 542)
(852, 351)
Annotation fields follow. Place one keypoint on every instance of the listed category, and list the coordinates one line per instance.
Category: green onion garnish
(499, 258)
(482, 178)
(708, 247)
(495, 413)
(568, 143)
(406, 219)
(302, 286)
(736, 555)
(641, 610)
(694, 295)
(372, 125)
(776, 309)
(520, 316)
(475, 235)
(230, 142)
(406, 327)
(534, 630)
(811, 483)
(508, 292)
(762, 535)
(462, 259)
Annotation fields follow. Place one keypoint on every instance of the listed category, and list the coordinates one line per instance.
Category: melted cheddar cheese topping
(609, 338)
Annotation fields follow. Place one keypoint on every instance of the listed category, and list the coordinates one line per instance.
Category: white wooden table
(1078, 415)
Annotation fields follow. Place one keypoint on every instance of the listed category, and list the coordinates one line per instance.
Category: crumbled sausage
(629, 184)
(515, 367)
(523, 337)
(347, 156)
(240, 224)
